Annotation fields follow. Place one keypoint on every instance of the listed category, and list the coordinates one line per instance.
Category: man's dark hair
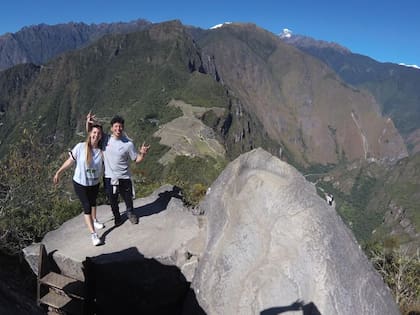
(117, 119)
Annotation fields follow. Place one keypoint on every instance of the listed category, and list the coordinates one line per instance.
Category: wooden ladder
(59, 293)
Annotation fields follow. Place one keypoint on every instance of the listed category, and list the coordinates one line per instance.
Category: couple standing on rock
(114, 151)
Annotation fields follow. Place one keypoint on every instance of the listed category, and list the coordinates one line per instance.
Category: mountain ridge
(395, 87)
(271, 78)
(40, 43)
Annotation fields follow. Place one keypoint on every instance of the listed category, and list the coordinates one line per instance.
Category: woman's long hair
(88, 145)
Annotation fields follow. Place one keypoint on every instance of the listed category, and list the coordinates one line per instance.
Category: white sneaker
(98, 225)
(95, 239)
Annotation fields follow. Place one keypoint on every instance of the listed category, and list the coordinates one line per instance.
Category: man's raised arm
(90, 120)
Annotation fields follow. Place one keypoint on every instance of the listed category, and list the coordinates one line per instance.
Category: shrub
(30, 205)
(400, 271)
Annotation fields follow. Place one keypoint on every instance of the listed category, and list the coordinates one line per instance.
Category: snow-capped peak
(219, 25)
(286, 33)
(412, 66)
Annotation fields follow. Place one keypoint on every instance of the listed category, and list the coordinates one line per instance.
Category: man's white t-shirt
(117, 155)
(87, 175)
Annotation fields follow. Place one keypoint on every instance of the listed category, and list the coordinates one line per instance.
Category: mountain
(301, 102)
(118, 71)
(395, 87)
(398, 196)
(39, 43)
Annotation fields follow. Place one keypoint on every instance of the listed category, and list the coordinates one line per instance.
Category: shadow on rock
(307, 309)
(160, 204)
(17, 287)
(126, 282)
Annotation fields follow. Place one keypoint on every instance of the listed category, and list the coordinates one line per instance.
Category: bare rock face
(274, 245)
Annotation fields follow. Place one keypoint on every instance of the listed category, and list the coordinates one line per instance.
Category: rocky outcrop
(273, 244)
(139, 269)
(264, 242)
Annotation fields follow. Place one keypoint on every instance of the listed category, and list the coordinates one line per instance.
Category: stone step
(62, 303)
(69, 286)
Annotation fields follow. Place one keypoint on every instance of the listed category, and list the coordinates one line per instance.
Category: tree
(30, 205)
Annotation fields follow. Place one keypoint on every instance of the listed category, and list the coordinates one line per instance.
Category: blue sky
(387, 31)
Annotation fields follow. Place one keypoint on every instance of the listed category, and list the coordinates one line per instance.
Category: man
(330, 199)
(118, 149)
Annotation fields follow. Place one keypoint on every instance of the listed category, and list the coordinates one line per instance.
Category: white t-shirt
(87, 175)
(117, 155)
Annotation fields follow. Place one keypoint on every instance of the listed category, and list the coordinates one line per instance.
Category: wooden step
(63, 303)
(70, 286)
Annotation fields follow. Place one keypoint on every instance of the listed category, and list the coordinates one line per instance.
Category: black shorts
(87, 196)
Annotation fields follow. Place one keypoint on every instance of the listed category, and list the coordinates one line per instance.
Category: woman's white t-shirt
(87, 175)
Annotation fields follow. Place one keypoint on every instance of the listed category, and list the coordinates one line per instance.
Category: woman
(89, 169)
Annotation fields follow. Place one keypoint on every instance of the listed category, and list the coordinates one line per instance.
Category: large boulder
(273, 245)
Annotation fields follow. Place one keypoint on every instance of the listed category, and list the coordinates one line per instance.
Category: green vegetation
(210, 119)
(406, 196)
(30, 205)
(187, 173)
(353, 201)
(400, 188)
(400, 271)
(316, 170)
(201, 90)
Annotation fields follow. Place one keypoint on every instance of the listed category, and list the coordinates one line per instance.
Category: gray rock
(274, 245)
(31, 254)
(166, 232)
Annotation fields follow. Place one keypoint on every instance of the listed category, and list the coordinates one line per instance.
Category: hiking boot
(95, 239)
(98, 225)
(132, 217)
(118, 220)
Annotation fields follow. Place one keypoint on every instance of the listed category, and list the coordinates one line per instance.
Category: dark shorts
(87, 196)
